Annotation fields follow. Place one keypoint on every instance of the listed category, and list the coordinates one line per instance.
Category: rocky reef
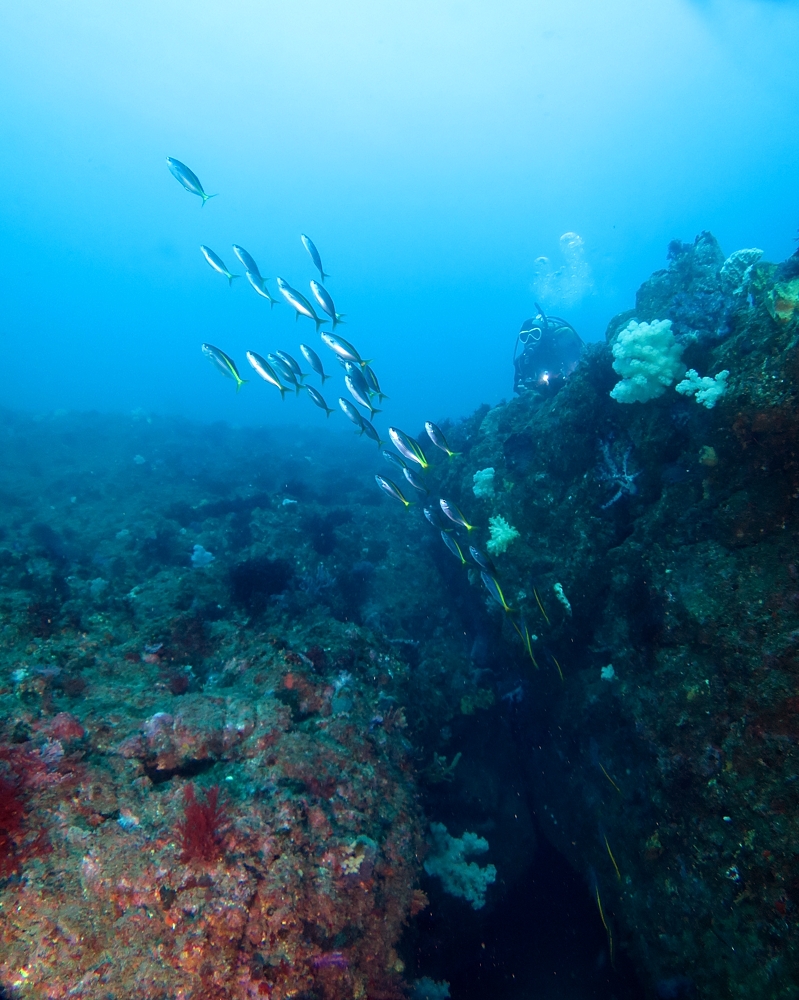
(245, 697)
(662, 751)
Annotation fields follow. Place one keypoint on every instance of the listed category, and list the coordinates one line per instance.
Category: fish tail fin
(328, 411)
(452, 454)
(230, 278)
(207, 197)
(372, 414)
(318, 322)
(283, 390)
(338, 318)
(240, 383)
(325, 378)
(381, 396)
(324, 275)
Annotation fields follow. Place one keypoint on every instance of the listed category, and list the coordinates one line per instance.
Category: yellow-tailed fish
(606, 925)
(407, 447)
(372, 383)
(284, 371)
(293, 365)
(455, 514)
(541, 606)
(352, 414)
(436, 435)
(452, 544)
(359, 397)
(298, 302)
(341, 347)
(387, 486)
(217, 264)
(314, 361)
(188, 179)
(524, 632)
(322, 296)
(609, 777)
(247, 261)
(416, 481)
(482, 560)
(493, 587)
(307, 242)
(266, 371)
(369, 430)
(318, 399)
(610, 854)
(223, 363)
(394, 460)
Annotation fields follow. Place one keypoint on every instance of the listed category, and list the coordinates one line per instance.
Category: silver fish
(452, 544)
(187, 178)
(284, 371)
(223, 363)
(247, 262)
(406, 447)
(266, 371)
(314, 254)
(322, 296)
(351, 413)
(393, 459)
(374, 385)
(455, 514)
(495, 590)
(482, 560)
(359, 397)
(217, 264)
(370, 431)
(432, 515)
(298, 302)
(415, 481)
(317, 398)
(292, 364)
(436, 435)
(387, 486)
(341, 347)
(354, 372)
(314, 361)
(259, 285)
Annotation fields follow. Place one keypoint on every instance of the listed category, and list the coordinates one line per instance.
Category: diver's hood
(551, 351)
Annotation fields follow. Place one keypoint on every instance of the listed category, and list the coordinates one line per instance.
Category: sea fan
(201, 831)
(12, 814)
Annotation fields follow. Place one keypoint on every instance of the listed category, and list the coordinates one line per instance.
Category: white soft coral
(708, 391)
(647, 357)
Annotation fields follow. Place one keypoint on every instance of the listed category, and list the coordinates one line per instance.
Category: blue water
(432, 152)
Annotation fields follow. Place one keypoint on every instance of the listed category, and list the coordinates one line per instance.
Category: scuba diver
(551, 350)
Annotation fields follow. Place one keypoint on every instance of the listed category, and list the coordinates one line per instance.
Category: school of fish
(284, 373)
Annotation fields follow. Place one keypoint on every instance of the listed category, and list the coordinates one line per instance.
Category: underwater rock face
(663, 741)
(211, 778)
(304, 876)
(189, 807)
(693, 292)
